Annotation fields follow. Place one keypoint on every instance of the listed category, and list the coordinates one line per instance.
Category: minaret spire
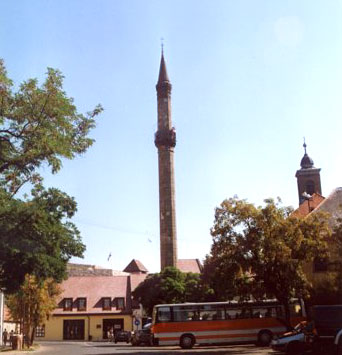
(165, 141)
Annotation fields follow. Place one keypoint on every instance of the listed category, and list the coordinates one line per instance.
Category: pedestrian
(111, 334)
(5, 336)
(11, 337)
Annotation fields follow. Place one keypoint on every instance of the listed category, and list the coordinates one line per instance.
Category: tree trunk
(32, 335)
(287, 315)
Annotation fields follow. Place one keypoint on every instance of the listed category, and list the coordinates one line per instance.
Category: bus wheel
(187, 341)
(264, 338)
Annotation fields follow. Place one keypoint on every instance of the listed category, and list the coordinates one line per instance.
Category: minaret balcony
(165, 138)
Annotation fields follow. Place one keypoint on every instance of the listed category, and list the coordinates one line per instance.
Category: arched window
(310, 187)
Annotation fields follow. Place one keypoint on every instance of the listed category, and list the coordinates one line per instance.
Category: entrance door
(73, 329)
(115, 324)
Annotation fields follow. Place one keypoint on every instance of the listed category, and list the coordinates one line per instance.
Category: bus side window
(230, 313)
(164, 314)
(279, 311)
(268, 313)
(185, 313)
(219, 314)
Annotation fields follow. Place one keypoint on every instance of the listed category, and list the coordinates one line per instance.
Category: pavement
(102, 348)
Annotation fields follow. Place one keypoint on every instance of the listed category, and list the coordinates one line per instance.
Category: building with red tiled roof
(93, 302)
(308, 205)
(136, 266)
(320, 268)
(189, 265)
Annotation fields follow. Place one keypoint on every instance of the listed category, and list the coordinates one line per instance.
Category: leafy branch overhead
(38, 124)
(263, 250)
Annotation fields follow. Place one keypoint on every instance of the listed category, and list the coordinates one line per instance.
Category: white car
(293, 342)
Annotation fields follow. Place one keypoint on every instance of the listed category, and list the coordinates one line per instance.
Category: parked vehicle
(188, 324)
(296, 341)
(122, 336)
(328, 330)
(142, 336)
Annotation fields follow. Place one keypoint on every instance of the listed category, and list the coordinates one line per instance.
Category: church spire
(306, 162)
(308, 177)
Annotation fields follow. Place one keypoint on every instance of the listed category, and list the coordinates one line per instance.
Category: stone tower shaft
(165, 141)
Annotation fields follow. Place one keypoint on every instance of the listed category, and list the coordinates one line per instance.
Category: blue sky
(250, 79)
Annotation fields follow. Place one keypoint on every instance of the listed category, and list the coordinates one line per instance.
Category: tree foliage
(328, 289)
(39, 126)
(261, 251)
(36, 237)
(170, 286)
(32, 304)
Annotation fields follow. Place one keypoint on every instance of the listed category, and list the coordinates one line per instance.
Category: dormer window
(120, 303)
(67, 304)
(82, 304)
(106, 304)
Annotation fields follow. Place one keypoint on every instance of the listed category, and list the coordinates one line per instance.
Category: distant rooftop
(136, 266)
(92, 270)
(189, 265)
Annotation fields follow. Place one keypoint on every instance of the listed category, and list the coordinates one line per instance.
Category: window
(82, 304)
(106, 303)
(40, 331)
(163, 314)
(185, 313)
(120, 303)
(310, 187)
(68, 304)
(212, 312)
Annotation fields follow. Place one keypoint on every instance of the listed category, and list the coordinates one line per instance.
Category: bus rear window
(163, 314)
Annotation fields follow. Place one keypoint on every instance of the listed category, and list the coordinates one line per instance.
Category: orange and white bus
(187, 324)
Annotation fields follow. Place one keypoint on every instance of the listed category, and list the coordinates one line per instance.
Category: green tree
(328, 289)
(170, 286)
(32, 304)
(39, 126)
(36, 237)
(261, 251)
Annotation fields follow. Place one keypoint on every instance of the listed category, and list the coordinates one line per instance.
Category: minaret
(308, 177)
(165, 141)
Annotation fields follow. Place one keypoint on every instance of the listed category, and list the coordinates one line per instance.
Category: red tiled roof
(135, 266)
(136, 279)
(189, 265)
(309, 205)
(332, 205)
(94, 288)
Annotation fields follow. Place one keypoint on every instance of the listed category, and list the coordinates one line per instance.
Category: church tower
(165, 141)
(308, 177)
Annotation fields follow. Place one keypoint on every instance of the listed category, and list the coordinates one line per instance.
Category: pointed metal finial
(304, 145)
(162, 44)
